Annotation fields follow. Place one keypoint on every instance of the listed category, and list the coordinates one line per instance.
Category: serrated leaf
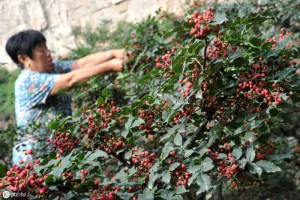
(220, 18)
(206, 165)
(97, 154)
(255, 124)
(137, 122)
(146, 196)
(237, 153)
(221, 156)
(50, 179)
(273, 112)
(255, 169)
(178, 139)
(204, 181)
(166, 177)
(188, 153)
(105, 92)
(128, 123)
(144, 79)
(249, 136)
(174, 166)
(3, 170)
(166, 151)
(180, 190)
(250, 154)
(268, 166)
(100, 101)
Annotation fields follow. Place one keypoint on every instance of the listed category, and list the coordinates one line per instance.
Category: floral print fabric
(33, 104)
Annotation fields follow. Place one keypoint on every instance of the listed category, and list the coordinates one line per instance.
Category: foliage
(7, 80)
(202, 107)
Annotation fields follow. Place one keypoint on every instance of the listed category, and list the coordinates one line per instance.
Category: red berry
(29, 151)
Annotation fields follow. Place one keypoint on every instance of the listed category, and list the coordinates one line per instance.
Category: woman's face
(41, 61)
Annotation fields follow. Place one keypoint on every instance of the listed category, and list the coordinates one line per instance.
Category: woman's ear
(22, 59)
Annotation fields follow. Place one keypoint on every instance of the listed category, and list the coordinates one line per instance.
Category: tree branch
(205, 50)
(196, 135)
(121, 159)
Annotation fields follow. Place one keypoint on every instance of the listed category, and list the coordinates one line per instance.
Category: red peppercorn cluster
(226, 166)
(164, 63)
(107, 140)
(200, 22)
(253, 86)
(64, 142)
(149, 117)
(187, 82)
(218, 50)
(180, 175)
(186, 112)
(143, 161)
(20, 178)
(281, 36)
(262, 151)
(105, 192)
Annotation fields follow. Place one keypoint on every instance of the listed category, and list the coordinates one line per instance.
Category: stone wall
(55, 18)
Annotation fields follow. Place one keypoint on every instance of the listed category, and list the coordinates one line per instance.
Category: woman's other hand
(116, 64)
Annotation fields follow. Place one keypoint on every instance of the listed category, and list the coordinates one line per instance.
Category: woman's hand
(119, 53)
(116, 64)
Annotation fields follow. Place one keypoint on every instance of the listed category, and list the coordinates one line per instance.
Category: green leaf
(146, 196)
(50, 179)
(178, 139)
(206, 165)
(144, 78)
(137, 122)
(180, 190)
(249, 136)
(97, 154)
(281, 44)
(166, 151)
(166, 177)
(255, 42)
(221, 156)
(255, 124)
(65, 163)
(204, 181)
(188, 153)
(3, 170)
(70, 195)
(250, 154)
(220, 18)
(268, 166)
(174, 166)
(255, 169)
(100, 101)
(237, 153)
(128, 123)
(105, 92)
(273, 112)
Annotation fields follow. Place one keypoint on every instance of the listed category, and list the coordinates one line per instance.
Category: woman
(41, 79)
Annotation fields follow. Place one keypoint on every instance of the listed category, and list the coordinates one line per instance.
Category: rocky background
(57, 18)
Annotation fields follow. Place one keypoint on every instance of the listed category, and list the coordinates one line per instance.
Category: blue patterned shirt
(32, 100)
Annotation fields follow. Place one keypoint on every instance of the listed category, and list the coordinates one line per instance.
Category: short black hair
(23, 43)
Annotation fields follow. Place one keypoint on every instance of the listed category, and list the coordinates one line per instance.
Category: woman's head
(28, 50)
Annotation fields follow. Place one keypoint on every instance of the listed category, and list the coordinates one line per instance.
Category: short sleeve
(61, 67)
(40, 87)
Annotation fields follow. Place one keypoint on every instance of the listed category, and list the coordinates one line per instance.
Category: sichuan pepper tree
(210, 119)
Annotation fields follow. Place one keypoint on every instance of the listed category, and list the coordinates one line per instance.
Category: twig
(122, 160)
(205, 50)
(196, 135)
